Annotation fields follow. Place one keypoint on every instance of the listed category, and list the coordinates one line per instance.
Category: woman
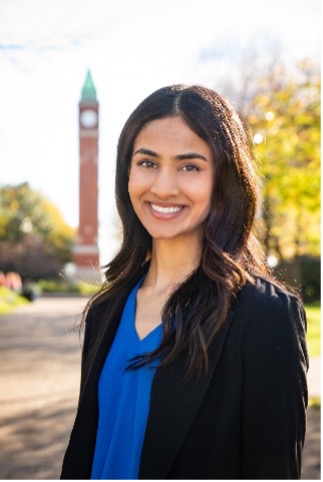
(194, 359)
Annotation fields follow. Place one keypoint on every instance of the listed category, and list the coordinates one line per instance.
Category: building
(86, 250)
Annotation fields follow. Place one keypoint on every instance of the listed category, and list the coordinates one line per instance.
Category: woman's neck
(172, 261)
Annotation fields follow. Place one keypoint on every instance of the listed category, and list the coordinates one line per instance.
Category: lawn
(313, 314)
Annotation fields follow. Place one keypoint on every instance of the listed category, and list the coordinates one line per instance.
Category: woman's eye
(146, 163)
(189, 168)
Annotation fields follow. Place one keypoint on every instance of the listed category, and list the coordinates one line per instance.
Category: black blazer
(246, 420)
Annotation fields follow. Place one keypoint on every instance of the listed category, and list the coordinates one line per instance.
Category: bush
(304, 273)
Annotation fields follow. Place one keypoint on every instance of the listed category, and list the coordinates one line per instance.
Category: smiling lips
(165, 211)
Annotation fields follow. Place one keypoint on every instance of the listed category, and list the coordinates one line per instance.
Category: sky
(132, 47)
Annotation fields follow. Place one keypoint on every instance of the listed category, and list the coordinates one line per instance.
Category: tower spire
(88, 90)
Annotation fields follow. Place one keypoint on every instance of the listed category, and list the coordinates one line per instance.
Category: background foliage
(35, 241)
(285, 120)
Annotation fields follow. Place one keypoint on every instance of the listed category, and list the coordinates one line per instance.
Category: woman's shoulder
(264, 298)
(268, 291)
(270, 322)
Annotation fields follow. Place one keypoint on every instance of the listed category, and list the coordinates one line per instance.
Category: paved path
(39, 379)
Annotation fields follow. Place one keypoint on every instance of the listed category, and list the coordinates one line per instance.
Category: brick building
(86, 251)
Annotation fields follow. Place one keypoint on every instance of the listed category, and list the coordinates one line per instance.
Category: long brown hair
(230, 253)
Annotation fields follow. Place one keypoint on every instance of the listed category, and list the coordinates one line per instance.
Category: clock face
(89, 118)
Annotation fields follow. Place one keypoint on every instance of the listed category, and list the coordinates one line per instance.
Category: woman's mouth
(164, 212)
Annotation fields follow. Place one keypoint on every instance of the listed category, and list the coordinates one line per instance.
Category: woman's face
(171, 179)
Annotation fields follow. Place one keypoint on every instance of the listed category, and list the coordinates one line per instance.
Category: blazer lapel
(173, 406)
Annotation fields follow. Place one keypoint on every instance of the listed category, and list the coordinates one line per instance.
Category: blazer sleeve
(274, 401)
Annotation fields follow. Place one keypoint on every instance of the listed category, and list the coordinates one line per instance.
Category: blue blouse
(124, 398)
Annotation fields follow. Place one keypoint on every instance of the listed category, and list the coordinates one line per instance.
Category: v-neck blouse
(124, 397)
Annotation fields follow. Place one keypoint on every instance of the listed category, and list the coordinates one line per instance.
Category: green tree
(34, 238)
(285, 121)
(22, 212)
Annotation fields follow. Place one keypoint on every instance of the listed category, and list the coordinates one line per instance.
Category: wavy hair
(230, 254)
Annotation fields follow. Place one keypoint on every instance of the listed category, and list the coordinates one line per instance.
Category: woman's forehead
(172, 132)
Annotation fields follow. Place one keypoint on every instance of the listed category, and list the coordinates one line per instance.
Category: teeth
(168, 210)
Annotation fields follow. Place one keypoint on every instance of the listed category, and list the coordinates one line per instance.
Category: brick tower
(86, 252)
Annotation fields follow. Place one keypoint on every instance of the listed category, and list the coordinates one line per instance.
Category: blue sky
(132, 48)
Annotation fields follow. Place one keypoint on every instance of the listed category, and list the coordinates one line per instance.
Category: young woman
(194, 359)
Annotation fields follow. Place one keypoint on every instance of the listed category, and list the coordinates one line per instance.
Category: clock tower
(86, 251)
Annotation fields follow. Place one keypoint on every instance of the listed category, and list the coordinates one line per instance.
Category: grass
(63, 286)
(9, 300)
(314, 402)
(313, 314)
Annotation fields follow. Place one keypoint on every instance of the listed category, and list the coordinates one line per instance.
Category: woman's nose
(165, 184)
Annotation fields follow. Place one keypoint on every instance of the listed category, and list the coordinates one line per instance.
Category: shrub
(303, 273)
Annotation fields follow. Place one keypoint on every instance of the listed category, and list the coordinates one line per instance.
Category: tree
(285, 120)
(34, 238)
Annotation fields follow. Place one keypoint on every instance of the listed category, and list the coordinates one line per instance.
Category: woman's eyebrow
(190, 155)
(147, 152)
(179, 157)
